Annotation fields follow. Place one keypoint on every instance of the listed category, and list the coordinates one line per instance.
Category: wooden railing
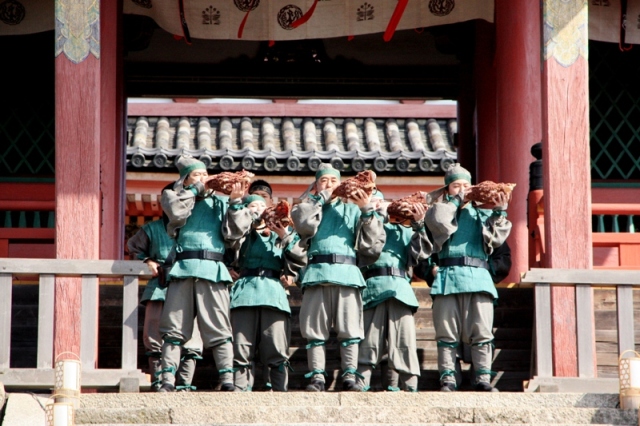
(616, 245)
(623, 281)
(90, 271)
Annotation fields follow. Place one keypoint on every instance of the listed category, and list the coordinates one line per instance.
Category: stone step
(352, 408)
(342, 424)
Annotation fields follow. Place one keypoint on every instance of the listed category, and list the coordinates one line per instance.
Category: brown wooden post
(567, 180)
(518, 103)
(81, 90)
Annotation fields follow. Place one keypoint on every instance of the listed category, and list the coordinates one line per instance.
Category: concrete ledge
(348, 399)
(25, 409)
(572, 384)
(33, 378)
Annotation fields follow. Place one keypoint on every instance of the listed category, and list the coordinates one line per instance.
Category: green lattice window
(614, 86)
(27, 136)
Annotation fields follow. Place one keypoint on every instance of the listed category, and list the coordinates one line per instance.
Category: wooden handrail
(619, 208)
(583, 279)
(90, 271)
(74, 267)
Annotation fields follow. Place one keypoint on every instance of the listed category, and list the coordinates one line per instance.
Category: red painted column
(112, 131)
(77, 187)
(486, 109)
(519, 112)
(566, 162)
(86, 128)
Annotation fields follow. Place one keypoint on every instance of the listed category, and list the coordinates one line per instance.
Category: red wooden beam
(565, 124)
(17, 205)
(517, 62)
(292, 110)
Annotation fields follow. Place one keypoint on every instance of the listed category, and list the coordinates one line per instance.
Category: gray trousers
(330, 306)
(268, 331)
(390, 329)
(208, 303)
(466, 318)
(152, 340)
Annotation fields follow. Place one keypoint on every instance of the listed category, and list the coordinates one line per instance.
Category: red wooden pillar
(112, 131)
(84, 90)
(518, 104)
(566, 162)
(487, 156)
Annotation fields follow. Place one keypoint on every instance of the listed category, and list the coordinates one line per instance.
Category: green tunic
(396, 253)
(335, 235)
(259, 251)
(154, 244)
(202, 231)
(468, 240)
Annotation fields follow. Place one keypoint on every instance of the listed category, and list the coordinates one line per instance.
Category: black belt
(464, 261)
(200, 254)
(333, 258)
(379, 272)
(260, 272)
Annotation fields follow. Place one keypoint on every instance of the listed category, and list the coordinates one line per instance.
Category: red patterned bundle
(401, 210)
(277, 215)
(487, 192)
(365, 180)
(223, 182)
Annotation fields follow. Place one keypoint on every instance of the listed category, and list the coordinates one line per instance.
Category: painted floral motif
(77, 29)
(365, 12)
(565, 26)
(246, 5)
(441, 7)
(288, 15)
(143, 3)
(12, 12)
(211, 16)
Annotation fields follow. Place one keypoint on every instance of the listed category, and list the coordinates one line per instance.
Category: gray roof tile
(296, 144)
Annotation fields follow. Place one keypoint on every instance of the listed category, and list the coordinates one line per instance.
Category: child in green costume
(390, 302)
(339, 238)
(463, 292)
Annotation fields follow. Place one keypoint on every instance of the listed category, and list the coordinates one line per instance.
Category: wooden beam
(291, 110)
(625, 318)
(486, 120)
(46, 297)
(112, 130)
(566, 159)
(558, 276)
(130, 323)
(517, 63)
(89, 314)
(74, 268)
(5, 320)
(544, 355)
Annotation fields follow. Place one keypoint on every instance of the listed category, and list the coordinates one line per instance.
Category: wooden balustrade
(616, 245)
(90, 271)
(624, 281)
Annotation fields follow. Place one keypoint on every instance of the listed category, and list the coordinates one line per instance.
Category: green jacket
(403, 249)
(337, 228)
(255, 250)
(465, 231)
(151, 242)
(196, 224)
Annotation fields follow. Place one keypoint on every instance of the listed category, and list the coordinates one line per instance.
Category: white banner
(272, 19)
(604, 20)
(19, 17)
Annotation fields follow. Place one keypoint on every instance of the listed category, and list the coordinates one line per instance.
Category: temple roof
(295, 144)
